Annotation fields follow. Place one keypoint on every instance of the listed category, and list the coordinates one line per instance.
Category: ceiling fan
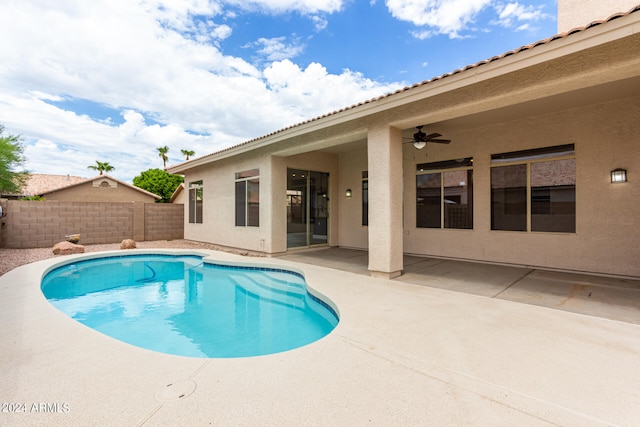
(420, 139)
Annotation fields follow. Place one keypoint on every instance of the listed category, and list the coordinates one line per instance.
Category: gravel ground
(12, 258)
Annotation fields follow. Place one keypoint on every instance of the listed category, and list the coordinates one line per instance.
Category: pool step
(271, 292)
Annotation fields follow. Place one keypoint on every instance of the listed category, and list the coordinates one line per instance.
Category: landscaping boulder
(67, 248)
(128, 244)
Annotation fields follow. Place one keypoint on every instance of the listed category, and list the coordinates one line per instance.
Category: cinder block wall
(163, 221)
(39, 224)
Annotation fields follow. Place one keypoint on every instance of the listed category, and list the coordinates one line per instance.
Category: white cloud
(423, 34)
(221, 32)
(319, 22)
(275, 49)
(519, 16)
(150, 60)
(314, 89)
(454, 17)
(444, 17)
(280, 6)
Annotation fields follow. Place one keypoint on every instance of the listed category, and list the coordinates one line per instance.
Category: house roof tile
(85, 180)
(37, 183)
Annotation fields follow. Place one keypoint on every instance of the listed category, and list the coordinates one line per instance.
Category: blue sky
(111, 80)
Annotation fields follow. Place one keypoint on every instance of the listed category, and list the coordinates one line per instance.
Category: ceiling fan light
(419, 144)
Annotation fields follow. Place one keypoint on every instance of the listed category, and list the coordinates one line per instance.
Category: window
(248, 198)
(365, 198)
(195, 202)
(534, 190)
(444, 194)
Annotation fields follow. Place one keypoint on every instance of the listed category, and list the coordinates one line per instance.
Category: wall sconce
(348, 193)
(618, 175)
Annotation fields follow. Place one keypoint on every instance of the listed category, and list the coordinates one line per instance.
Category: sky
(113, 80)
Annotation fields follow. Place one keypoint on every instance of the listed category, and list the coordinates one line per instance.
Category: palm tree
(101, 167)
(188, 153)
(162, 152)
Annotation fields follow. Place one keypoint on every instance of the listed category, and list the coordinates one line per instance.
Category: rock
(73, 238)
(67, 248)
(128, 244)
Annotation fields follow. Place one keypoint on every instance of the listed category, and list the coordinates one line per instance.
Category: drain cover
(175, 391)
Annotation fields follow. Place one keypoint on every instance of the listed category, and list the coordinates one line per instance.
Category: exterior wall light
(618, 175)
(348, 193)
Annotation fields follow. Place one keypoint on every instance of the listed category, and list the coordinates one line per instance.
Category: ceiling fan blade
(440, 141)
(432, 135)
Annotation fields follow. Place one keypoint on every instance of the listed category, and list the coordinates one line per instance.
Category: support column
(276, 193)
(384, 147)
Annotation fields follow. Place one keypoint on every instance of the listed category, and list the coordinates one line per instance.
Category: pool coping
(401, 354)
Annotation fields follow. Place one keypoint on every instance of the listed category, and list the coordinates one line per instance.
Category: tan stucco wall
(606, 136)
(385, 159)
(352, 233)
(180, 198)
(219, 200)
(607, 215)
(576, 13)
(218, 216)
(89, 192)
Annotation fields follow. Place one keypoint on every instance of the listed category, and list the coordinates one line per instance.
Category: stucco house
(178, 196)
(542, 168)
(102, 188)
(38, 183)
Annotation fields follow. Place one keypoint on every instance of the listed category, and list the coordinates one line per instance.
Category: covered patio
(599, 296)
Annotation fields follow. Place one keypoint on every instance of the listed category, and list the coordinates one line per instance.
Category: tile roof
(41, 183)
(95, 178)
(434, 79)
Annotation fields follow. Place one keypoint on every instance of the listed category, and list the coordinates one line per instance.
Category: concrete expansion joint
(536, 407)
(514, 282)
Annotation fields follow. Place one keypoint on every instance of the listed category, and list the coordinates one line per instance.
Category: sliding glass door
(307, 208)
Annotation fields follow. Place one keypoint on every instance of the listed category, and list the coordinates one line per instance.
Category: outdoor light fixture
(618, 175)
(348, 193)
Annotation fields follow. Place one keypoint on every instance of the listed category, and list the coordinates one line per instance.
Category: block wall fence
(41, 224)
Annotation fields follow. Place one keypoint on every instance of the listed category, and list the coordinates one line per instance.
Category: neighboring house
(37, 184)
(178, 196)
(102, 188)
(539, 135)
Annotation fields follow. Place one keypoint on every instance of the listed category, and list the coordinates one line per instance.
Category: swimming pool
(181, 305)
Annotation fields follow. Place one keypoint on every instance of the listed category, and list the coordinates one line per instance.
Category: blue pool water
(180, 305)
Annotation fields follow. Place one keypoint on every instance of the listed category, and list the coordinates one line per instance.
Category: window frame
(243, 182)
(527, 158)
(196, 188)
(441, 168)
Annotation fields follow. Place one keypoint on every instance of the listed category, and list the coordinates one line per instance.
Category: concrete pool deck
(402, 354)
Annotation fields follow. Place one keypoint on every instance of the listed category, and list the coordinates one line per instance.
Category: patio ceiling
(357, 139)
